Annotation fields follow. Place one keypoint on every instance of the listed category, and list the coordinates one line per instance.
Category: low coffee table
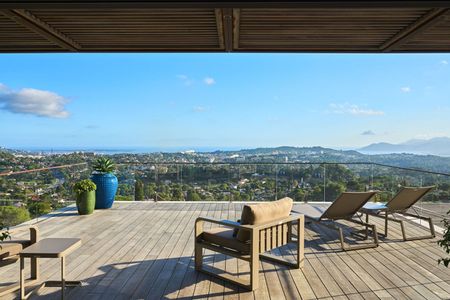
(49, 248)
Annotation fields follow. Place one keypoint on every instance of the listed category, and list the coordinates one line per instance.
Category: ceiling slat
(424, 22)
(33, 23)
(310, 28)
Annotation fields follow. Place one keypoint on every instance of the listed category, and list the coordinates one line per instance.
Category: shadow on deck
(143, 250)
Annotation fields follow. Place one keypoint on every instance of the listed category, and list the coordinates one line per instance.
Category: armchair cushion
(255, 214)
(222, 236)
(11, 248)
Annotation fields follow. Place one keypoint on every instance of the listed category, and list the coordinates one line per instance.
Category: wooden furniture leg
(63, 280)
(22, 278)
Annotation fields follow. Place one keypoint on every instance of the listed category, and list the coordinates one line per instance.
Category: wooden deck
(144, 250)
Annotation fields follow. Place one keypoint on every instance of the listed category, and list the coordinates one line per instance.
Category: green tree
(355, 185)
(298, 194)
(192, 195)
(333, 190)
(150, 190)
(316, 194)
(177, 194)
(39, 208)
(11, 215)
(139, 190)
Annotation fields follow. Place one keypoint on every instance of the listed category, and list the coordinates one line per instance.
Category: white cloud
(444, 62)
(199, 109)
(3, 88)
(185, 79)
(368, 132)
(352, 109)
(34, 102)
(405, 89)
(209, 81)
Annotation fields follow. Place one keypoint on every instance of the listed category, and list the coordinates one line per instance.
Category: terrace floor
(144, 250)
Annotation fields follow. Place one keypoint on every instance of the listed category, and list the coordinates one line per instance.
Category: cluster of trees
(29, 195)
(39, 193)
(263, 183)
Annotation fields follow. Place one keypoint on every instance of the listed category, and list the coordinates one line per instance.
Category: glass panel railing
(30, 194)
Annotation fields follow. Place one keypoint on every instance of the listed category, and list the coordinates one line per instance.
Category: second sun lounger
(343, 208)
(400, 204)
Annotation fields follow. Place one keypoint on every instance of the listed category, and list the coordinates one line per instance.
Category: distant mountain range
(320, 154)
(436, 146)
(412, 154)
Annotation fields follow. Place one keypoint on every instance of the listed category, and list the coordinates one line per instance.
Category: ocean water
(128, 150)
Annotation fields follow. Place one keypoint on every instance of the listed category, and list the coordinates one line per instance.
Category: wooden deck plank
(285, 276)
(102, 272)
(159, 255)
(130, 262)
(411, 293)
(184, 264)
(425, 292)
(201, 282)
(204, 281)
(232, 292)
(192, 277)
(172, 259)
(121, 259)
(216, 287)
(145, 258)
(90, 265)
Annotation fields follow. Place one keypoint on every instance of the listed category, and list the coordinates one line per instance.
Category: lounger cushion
(255, 214)
(311, 211)
(11, 248)
(224, 237)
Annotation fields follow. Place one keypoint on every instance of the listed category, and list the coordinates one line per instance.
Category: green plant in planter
(106, 182)
(4, 233)
(85, 196)
(104, 165)
(445, 242)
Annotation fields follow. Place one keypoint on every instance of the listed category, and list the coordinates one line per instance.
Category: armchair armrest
(34, 232)
(199, 222)
(226, 223)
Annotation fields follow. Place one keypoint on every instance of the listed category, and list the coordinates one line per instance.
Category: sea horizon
(120, 150)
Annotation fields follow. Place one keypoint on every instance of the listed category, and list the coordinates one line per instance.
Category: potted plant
(85, 195)
(106, 182)
(4, 234)
(445, 241)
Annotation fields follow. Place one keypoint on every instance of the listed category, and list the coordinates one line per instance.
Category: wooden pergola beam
(219, 22)
(236, 27)
(33, 23)
(227, 14)
(428, 20)
(72, 4)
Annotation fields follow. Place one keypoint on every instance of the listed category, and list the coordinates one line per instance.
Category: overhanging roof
(224, 26)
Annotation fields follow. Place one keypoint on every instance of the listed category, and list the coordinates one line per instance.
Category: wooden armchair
(262, 237)
(9, 253)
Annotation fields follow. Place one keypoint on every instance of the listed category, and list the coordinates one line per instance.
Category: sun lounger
(345, 207)
(400, 204)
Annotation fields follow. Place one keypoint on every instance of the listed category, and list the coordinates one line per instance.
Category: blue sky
(221, 100)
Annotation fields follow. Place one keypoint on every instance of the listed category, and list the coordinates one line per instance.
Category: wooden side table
(48, 248)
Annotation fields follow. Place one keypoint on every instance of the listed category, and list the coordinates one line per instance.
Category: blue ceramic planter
(106, 189)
